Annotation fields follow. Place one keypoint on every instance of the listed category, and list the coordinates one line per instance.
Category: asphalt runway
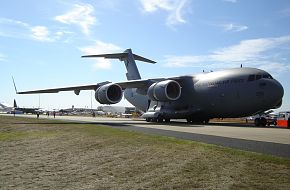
(266, 140)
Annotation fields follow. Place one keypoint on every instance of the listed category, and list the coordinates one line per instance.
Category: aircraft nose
(276, 92)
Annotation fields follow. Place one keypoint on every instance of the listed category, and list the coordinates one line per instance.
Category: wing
(140, 84)
(76, 89)
(128, 84)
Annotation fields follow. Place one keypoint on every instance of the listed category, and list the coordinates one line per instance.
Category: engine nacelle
(109, 94)
(168, 90)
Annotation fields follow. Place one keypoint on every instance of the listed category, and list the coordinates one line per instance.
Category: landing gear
(257, 122)
(260, 122)
(197, 121)
(167, 120)
(158, 120)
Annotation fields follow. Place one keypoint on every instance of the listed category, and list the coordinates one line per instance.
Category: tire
(263, 122)
(206, 121)
(159, 119)
(148, 119)
(167, 120)
(257, 122)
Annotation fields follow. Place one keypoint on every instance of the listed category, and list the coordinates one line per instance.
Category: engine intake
(168, 90)
(109, 94)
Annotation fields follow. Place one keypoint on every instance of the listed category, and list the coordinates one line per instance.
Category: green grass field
(51, 154)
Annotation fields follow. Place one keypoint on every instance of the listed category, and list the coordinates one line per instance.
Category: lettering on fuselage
(220, 83)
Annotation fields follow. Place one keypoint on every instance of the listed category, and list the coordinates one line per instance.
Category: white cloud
(21, 30)
(184, 61)
(101, 48)
(248, 50)
(13, 22)
(233, 27)
(268, 53)
(80, 15)
(13, 28)
(40, 33)
(175, 9)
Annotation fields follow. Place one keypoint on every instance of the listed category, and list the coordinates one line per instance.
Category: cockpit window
(267, 76)
(258, 77)
(251, 78)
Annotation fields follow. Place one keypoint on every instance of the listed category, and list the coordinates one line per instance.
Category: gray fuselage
(222, 94)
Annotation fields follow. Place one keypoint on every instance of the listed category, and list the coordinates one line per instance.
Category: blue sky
(41, 42)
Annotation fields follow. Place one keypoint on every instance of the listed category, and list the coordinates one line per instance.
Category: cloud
(232, 27)
(21, 30)
(175, 9)
(80, 15)
(184, 61)
(101, 48)
(13, 22)
(13, 28)
(40, 33)
(267, 53)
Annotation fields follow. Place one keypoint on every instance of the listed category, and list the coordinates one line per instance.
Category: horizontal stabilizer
(121, 56)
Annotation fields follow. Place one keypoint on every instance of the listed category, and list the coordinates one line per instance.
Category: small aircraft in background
(228, 93)
(25, 110)
(5, 108)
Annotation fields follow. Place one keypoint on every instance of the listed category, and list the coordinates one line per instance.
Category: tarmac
(267, 140)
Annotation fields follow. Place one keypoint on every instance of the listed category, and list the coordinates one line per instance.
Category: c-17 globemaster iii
(229, 93)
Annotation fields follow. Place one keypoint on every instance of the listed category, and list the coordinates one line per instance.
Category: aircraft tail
(129, 59)
(14, 104)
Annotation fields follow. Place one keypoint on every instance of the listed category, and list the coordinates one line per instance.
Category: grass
(57, 155)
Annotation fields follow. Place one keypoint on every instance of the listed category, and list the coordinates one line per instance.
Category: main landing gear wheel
(191, 120)
(148, 119)
(260, 122)
(160, 119)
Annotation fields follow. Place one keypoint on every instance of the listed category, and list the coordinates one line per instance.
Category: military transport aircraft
(236, 92)
(18, 109)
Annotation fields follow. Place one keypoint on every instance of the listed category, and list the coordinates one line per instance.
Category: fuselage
(228, 93)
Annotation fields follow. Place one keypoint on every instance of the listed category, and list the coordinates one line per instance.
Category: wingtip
(14, 85)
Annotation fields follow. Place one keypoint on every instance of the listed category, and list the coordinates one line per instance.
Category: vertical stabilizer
(129, 59)
(132, 70)
(14, 104)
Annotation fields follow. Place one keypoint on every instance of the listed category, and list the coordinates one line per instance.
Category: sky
(41, 43)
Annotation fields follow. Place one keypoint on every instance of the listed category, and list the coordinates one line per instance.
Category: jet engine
(109, 94)
(168, 90)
